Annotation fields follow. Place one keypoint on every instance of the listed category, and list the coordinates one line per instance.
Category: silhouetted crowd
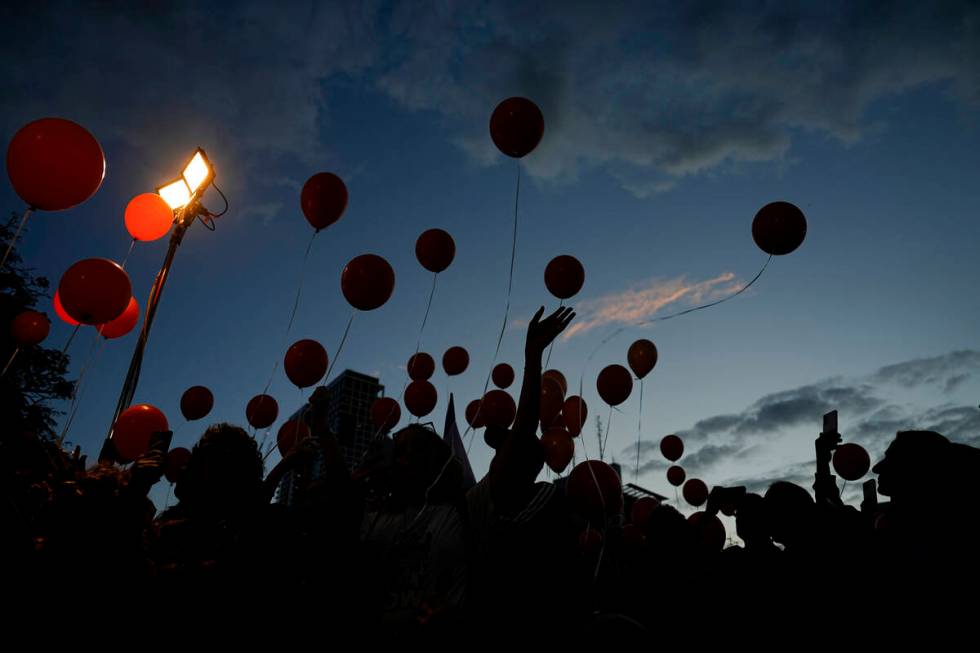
(399, 547)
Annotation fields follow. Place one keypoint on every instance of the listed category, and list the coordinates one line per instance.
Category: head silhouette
(224, 473)
(424, 469)
(752, 521)
(790, 510)
(914, 466)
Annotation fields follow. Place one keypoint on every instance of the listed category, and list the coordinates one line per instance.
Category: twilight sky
(668, 125)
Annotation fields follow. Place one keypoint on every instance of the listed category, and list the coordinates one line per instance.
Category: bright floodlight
(198, 171)
(176, 193)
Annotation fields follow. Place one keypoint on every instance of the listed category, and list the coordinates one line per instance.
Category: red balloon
(420, 367)
(642, 508)
(30, 328)
(475, 416)
(574, 413)
(196, 402)
(95, 291)
(552, 400)
(590, 541)
(175, 463)
(502, 375)
(55, 164)
(420, 398)
(498, 409)
(60, 311)
(455, 361)
(595, 490)
(148, 217)
(558, 378)
(564, 276)
(123, 324)
(261, 411)
(367, 282)
(614, 384)
(385, 413)
(672, 447)
(435, 250)
(558, 449)
(676, 475)
(305, 363)
(851, 461)
(709, 530)
(642, 357)
(779, 228)
(133, 429)
(516, 126)
(290, 434)
(323, 199)
(695, 492)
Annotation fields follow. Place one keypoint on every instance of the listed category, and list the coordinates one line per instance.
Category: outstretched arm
(540, 334)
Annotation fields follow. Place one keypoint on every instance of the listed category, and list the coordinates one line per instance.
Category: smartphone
(870, 492)
(160, 441)
(830, 422)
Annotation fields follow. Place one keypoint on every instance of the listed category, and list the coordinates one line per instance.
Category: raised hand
(541, 333)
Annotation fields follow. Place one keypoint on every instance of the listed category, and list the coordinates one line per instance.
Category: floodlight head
(176, 194)
(198, 173)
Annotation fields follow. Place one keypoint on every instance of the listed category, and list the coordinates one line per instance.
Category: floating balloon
(564, 276)
(60, 311)
(420, 398)
(851, 461)
(175, 463)
(498, 409)
(123, 324)
(614, 384)
(196, 402)
(323, 199)
(261, 411)
(502, 375)
(672, 447)
(516, 126)
(642, 509)
(95, 291)
(558, 378)
(55, 164)
(574, 413)
(420, 367)
(475, 416)
(676, 475)
(779, 228)
(642, 357)
(30, 328)
(455, 361)
(552, 400)
(558, 449)
(709, 530)
(595, 490)
(290, 434)
(133, 429)
(435, 250)
(367, 282)
(385, 413)
(305, 363)
(695, 492)
(148, 217)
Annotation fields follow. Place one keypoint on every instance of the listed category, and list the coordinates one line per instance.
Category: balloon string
(605, 439)
(10, 361)
(76, 396)
(684, 312)
(340, 348)
(425, 318)
(132, 244)
(64, 350)
(510, 287)
(13, 241)
(639, 432)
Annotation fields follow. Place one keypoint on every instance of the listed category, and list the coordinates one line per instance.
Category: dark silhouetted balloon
(614, 383)
(564, 276)
(435, 250)
(498, 409)
(695, 492)
(55, 164)
(323, 199)
(305, 363)
(175, 463)
(367, 282)
(420, 367)
(672, 447)
(290, 434)
(642, 357)
(133, 429)
(455, 361)
(95, 291)
(196, 402)
(261, 411)
(30, 328)
(709, 530)
(503, 375)
(851, 461)
(559, 378)
(676, 475)
(552, 400)
(60, 311)
(574, 413)
(475, 416)
(420, 398)
(779, 228)
(516, 126)
(595, 491)
(123, 324)
(642, 508)
(385, 413)
(558, 449)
